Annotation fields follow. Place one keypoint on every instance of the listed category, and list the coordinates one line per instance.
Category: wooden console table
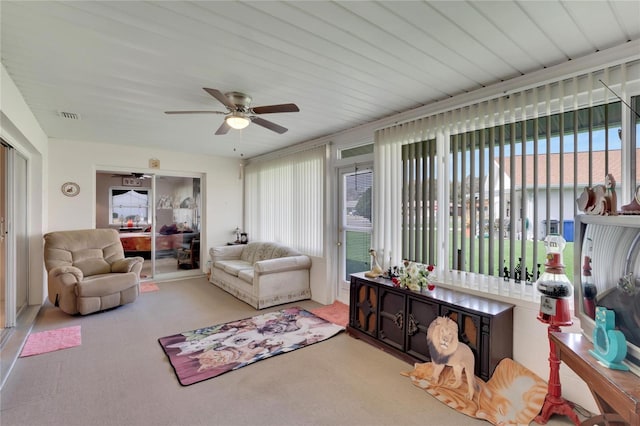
(617, 393)
(396, 320)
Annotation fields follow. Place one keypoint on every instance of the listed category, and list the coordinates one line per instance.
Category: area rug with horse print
(208, 352)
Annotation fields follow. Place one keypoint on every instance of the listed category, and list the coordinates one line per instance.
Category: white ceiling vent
(69, 115)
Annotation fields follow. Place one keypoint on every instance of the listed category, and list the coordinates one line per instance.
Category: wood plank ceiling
(120, 65)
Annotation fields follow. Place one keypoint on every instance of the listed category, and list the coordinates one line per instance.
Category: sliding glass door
(177, 224)
(158, 218)
(14, 244)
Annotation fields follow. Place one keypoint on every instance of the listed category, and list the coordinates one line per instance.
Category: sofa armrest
(282, 264)
(74, 272)
(226, 252)
(127, 264)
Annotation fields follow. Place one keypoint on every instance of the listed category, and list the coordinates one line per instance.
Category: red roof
(596, 169)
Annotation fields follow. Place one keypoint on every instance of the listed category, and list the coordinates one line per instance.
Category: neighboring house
(562, 194)
(564, 224)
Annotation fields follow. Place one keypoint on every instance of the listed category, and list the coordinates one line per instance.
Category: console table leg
(554, 403)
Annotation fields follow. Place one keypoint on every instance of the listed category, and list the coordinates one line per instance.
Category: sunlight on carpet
(337, 313)
(52, 340)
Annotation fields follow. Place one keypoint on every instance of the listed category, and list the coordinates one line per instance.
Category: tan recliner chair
(88, 271)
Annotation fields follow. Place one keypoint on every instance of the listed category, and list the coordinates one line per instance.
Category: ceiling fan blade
(223, 129)
(195, 112)
(221, 97)
(269, 125)
(269, 109)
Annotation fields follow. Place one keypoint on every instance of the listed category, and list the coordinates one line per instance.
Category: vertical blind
(499, 160)
(418, 201)
(284, 200)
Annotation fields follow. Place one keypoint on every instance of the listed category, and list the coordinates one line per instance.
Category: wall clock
(70, 189)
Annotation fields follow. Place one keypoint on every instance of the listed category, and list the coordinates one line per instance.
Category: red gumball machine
(555, 309)
(554, 286)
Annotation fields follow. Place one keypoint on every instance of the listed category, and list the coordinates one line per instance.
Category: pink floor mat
(52, 340)
(337, 313)
(148, 287)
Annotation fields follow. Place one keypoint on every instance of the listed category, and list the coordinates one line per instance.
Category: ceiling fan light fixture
(237, 120)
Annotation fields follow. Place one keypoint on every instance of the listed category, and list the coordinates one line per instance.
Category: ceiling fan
(240, 113)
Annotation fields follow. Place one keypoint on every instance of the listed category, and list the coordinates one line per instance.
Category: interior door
(158, 218)
(177, 225)
(354, 221)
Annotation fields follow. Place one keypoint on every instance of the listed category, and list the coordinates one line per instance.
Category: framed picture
(131, 181)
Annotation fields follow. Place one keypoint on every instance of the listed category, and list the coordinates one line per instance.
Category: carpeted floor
(120, 377)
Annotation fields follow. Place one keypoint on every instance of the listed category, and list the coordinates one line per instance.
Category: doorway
(158, 217)
(355, 224)
(14, 242)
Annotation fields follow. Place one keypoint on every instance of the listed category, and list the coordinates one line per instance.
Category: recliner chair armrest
(58, 271)
(282, 264)
(127, 264)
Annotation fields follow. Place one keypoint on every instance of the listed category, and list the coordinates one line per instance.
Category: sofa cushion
(232, 267)
(91, 262)
(249, 252)
(105, 284)
(246, 275)
(257, 251)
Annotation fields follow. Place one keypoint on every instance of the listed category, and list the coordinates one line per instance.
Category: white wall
(531, 349)
(78, 161)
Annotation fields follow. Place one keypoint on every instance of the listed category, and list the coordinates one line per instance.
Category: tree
(363, 206)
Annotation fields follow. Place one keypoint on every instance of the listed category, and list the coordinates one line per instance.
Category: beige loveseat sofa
(88, 271)
(261, 274)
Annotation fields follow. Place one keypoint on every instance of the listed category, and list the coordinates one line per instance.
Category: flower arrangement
(414, 276)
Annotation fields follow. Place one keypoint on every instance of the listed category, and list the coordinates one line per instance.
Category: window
(356, 151)
(508, 169)
(129, 206)
(535, 168)
(419, 206)
(284, 200)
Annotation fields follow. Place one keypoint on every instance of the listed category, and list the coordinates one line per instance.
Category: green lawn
(567, 255)
(358, 259)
